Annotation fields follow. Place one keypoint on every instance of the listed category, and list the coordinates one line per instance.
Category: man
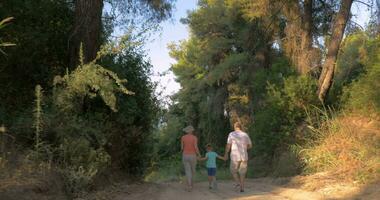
(238, 143)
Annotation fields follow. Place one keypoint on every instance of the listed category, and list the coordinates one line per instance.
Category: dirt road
(255, 189)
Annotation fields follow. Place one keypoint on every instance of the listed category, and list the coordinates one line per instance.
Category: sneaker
(241, 190)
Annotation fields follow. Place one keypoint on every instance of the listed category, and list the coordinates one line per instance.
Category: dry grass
(348, 148)
(23, 179)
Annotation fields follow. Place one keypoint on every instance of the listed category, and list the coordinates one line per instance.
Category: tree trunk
(299, 34)
(86, 30)
(305, 57)
(328, 68)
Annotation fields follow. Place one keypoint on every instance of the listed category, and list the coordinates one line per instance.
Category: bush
(283, 110)
(364, 94)
(80, 163)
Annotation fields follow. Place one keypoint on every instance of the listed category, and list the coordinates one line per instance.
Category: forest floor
(314, 187)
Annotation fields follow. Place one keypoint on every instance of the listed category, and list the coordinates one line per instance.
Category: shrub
(364, 94)
(80, 163)
(283, 110)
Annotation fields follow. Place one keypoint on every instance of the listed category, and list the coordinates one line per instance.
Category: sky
(174, 31)
(157, 51)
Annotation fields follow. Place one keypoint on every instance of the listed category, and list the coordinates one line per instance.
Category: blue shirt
(211, 159)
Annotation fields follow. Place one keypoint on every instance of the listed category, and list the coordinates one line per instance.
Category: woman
(189, 147)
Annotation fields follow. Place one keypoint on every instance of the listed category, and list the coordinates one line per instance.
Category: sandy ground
(255, 189)
(294, 188)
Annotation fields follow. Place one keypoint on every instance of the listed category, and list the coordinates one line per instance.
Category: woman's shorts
(211, 171)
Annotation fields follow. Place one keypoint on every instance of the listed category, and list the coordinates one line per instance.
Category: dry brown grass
(348, 148)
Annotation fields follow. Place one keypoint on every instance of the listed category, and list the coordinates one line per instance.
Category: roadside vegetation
(78, 110)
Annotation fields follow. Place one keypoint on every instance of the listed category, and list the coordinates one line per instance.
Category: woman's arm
(196, 147)
(181, 145)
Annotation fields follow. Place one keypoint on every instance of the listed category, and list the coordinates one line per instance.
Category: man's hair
(237, 125)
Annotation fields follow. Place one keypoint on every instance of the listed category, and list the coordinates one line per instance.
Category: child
(211, 165)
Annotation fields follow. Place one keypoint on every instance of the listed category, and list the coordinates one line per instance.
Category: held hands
(225, 158)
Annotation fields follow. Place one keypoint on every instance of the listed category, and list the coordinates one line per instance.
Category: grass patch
(349, 147)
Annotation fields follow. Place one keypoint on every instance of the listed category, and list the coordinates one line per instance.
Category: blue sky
(174, 31)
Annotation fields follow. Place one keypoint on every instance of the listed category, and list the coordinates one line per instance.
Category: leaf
(6, 20)
(7, 44)
(3, 52)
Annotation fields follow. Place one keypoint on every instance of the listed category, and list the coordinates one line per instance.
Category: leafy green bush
(364, 94)
(80, 163)
(282, 110)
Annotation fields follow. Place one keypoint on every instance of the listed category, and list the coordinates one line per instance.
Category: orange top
(189, 141)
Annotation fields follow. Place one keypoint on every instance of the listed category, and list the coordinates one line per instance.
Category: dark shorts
(211, 171)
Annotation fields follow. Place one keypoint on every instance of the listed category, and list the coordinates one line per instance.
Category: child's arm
(202, 159)
(221, 157)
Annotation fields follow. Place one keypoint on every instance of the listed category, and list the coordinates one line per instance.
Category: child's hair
(208, 145)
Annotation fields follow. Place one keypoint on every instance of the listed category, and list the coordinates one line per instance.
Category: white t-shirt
(239, 141)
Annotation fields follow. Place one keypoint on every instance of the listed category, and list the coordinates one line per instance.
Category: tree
(328, 68)
(40, 30)
(87, 28)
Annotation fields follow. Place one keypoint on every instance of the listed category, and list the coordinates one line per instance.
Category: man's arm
(227, 150)
(249, 145)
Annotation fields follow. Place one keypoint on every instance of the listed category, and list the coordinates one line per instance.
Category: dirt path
(255, 189)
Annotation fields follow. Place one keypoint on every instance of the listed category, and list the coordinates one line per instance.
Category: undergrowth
(348, 147)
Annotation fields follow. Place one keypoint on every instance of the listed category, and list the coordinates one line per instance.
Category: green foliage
(350, 62)
(40, 30)
(38, 122)
(3, 23)
(363, 94)
(88, 80)
(81, 163)
(282, 110)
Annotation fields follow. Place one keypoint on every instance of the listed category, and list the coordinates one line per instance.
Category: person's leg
(209, 177)
(213, 178)
(234, 171)
(193, 164)
(242, 172)
(214, 183)
(188, 171)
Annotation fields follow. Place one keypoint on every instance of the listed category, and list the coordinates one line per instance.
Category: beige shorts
(238, 167)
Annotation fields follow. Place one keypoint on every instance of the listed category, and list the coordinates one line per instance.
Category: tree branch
(367, 4)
